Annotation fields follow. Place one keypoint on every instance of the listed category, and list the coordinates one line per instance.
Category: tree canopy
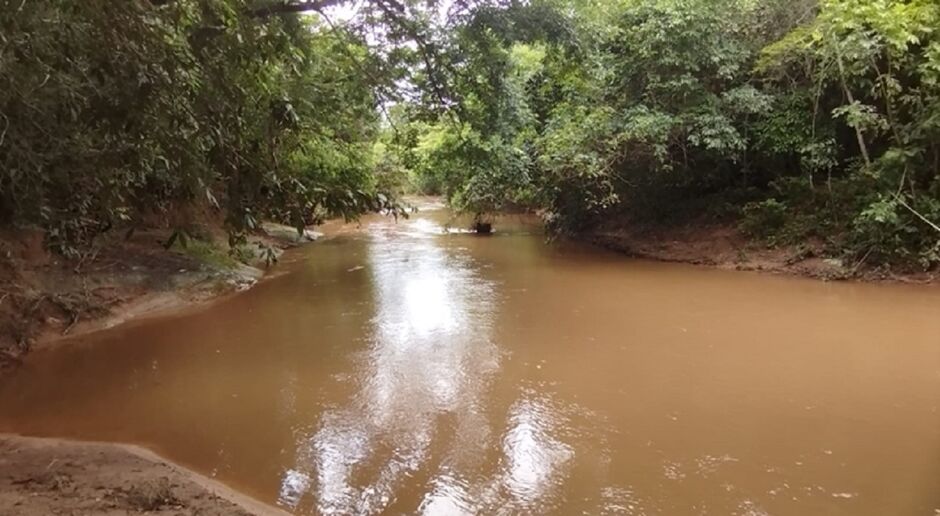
(796, 120)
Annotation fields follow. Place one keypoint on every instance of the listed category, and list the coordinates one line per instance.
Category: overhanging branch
(291, 6)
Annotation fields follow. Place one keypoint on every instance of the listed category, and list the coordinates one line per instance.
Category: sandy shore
(40, 477)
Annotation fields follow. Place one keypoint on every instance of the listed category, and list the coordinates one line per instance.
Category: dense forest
(790, 120)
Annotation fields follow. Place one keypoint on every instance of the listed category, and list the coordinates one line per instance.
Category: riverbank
(52, 476)
(45, 297)
(724, 247)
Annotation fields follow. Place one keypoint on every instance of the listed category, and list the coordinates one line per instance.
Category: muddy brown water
(401, 369)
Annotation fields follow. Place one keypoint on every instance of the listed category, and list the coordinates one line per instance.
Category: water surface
(399, 368)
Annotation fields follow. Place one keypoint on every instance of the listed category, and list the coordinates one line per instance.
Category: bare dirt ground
(40, 477)
(44, 296)
(724, 247)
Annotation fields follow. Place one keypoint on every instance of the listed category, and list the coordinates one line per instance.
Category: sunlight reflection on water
(431, 355)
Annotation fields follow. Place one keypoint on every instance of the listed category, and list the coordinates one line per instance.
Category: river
(399, 367)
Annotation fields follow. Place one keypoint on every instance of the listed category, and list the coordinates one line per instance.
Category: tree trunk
(851, 98)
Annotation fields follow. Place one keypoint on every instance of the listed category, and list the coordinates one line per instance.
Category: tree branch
(291, 6)
(396, 13)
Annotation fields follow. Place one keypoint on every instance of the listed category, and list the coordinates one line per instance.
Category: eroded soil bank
(39, 477)
(725, 247)
(44, 297)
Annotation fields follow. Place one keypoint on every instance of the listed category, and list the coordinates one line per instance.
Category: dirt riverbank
(39, 477)
(726, 248)
(44, 297)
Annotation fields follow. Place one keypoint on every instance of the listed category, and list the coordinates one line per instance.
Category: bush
(763, 219)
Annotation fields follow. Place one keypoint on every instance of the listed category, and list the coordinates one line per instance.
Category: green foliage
(803, 119)
(112, 113)
(205, 251)
(824, 116)
(765, 218)
(872, 66)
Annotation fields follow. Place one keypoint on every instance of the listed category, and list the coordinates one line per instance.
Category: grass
(209, 253)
